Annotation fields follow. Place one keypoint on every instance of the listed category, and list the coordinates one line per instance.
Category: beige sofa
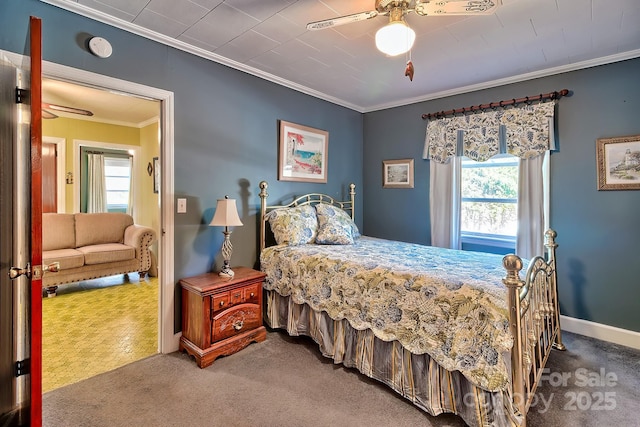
(92, 245)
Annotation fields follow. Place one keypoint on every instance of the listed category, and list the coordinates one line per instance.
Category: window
(117, 171)
(489, 201)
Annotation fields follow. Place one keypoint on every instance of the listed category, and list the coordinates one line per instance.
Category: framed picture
(618, 161)
(397, 173)
(156, 174)
(303, 153)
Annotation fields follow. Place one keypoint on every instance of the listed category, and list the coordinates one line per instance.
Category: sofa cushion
(99, 228)
(68, 258)
(108, 252)
(58, 231)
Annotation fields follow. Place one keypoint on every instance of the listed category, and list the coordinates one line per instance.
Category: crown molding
(80, 9)
(96, 15)
(514, 79)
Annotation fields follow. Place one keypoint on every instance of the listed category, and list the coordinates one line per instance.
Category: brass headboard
(307, 199)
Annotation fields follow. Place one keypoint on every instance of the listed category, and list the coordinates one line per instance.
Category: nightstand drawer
(235, 320)
(236, 296)
(220, 301)
(251, 294)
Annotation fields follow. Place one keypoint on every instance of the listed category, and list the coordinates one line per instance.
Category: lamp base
(227, 273)
(226, 270)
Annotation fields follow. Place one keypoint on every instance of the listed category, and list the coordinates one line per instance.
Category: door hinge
(23, 367)
(22, 96)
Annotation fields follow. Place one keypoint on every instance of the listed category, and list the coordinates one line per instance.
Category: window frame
(118, 157)
(502, 241)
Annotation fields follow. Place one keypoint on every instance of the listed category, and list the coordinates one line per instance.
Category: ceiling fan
(421, 7)
(397, 37)
(46, 114)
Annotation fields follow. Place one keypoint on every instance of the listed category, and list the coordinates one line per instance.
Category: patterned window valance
(523, 131)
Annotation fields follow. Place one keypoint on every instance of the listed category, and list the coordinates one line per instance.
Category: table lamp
(226, 216)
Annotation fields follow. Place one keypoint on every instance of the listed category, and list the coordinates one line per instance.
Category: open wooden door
(35, 321)
(21, 225)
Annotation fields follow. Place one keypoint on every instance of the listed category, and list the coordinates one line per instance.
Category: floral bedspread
(447, 303)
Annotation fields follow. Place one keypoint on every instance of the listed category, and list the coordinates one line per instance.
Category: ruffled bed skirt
(416, 377)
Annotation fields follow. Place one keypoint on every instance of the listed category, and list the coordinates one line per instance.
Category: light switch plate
(182, 205)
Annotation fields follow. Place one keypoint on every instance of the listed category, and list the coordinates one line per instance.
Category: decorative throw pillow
(294, 226)
(335, 226)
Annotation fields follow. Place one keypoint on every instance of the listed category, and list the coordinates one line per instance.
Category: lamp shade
(395, 38)
(226, 213)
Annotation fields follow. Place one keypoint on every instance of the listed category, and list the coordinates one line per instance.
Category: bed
(451, 331)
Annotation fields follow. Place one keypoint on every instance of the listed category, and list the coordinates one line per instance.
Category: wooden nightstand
(220, 315)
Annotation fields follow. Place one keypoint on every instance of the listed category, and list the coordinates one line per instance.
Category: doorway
(168, 339)
(128, 128)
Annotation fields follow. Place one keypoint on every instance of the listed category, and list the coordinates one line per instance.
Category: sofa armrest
(141, 238)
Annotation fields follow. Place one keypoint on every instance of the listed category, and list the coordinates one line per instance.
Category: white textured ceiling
(452, 54)
(106, 106)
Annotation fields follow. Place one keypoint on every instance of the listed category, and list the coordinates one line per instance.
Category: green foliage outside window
(489, 196)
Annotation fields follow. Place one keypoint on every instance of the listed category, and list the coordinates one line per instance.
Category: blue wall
(226, 126)
(598, 231)
(225, 143)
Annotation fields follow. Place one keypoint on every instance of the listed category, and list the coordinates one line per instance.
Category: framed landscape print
(302, 153)
(618, 161)
(397, 173)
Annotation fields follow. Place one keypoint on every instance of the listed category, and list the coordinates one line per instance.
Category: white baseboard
(602, 332)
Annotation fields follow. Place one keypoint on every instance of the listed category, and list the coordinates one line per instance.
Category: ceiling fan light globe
(395, 38)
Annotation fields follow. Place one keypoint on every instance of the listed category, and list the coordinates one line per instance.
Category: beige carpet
(286, 382)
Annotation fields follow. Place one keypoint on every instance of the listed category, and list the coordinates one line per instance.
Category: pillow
(335, 226)
(294, 226)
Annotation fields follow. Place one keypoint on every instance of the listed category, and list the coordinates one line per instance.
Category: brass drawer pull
(221, 303)
(252, 295)
(238, 325)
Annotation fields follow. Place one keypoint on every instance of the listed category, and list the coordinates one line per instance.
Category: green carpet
(97, 328)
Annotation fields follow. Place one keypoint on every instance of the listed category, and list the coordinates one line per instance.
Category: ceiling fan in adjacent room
(397, 37)
(46, 114)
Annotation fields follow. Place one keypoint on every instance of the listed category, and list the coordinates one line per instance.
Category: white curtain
(527, 132)
(444, 203)
(531, 207)
(130, 202)
(96, 184)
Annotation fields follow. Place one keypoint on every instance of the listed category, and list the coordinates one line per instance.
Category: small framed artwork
(397, 173)
(302, 153)
(618, 161)
(156, 174)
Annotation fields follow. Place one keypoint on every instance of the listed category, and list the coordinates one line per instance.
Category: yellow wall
(71, 129)
(150, 201)
(150, 148)
(146, 138)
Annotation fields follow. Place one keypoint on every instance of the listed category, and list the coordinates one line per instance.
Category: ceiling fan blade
(46, 114)
(341, 20)
(457, 7)
(67, 109)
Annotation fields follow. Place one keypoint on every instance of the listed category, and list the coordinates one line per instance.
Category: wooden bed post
(263, 209)
(551, 245)
(513, 264)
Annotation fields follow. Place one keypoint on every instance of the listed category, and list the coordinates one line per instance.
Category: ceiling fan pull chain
(409, 70)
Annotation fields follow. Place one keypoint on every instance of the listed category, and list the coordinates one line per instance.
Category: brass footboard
(534, 316)
(534, 320)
